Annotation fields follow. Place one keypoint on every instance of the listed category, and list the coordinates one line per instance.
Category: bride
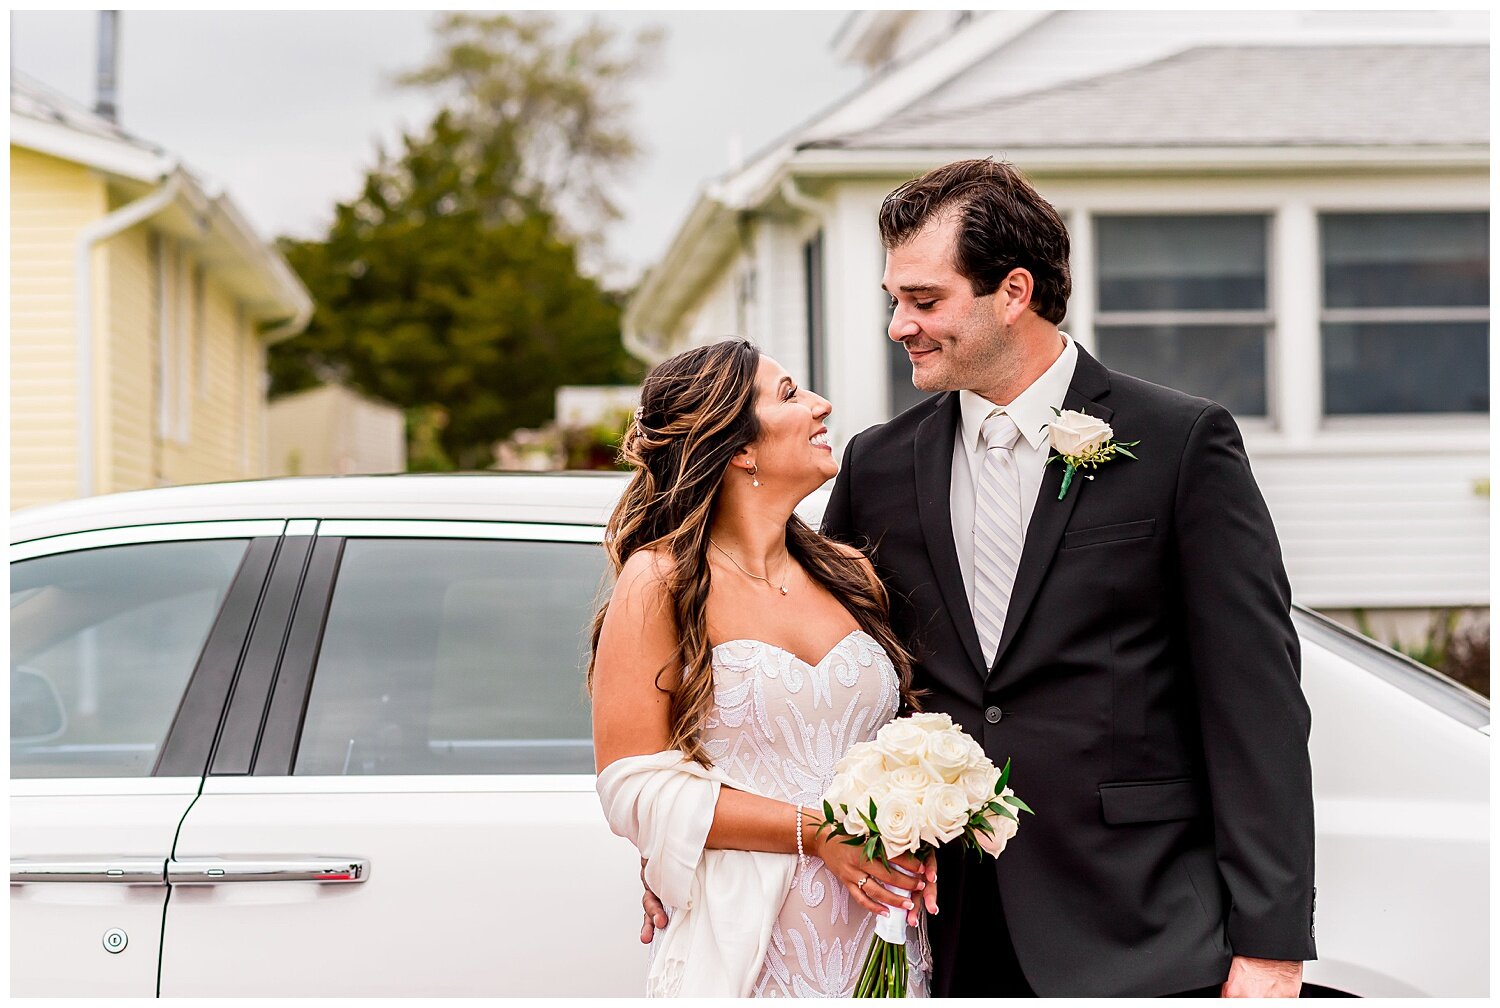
(740, 656)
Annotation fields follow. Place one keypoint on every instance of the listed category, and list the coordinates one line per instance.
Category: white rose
(911, 779)
(865, 772)
(931, 722)
(945, 813)
(899, 822)
(849, 818)
(858, 753)
(979, 784)
(902, 742)
(993, 843)
(1074, 433)
(947, 755)
(858, 805)
(977, 758)
(838, 793)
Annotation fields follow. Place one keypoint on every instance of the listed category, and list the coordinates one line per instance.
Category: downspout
(101, 230)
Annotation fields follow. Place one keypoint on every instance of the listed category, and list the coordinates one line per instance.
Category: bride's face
(792, 451)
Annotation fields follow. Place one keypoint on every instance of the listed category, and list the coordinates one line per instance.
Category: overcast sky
(284, 109)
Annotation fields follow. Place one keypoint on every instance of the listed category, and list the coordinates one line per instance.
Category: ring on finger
(862, 882)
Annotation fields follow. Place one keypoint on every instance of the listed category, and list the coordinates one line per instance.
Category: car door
(416, 814)
(123, 644)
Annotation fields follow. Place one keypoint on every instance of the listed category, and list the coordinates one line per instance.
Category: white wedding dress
(777, 727)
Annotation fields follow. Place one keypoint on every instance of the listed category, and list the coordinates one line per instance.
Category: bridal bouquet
(921, 782)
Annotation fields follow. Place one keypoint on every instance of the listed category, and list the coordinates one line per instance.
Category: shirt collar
(1032, 409)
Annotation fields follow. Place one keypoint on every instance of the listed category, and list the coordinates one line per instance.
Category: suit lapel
(934, 470)
(1049, 518)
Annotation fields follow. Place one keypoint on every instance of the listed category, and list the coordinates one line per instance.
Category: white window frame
(1351, 422)
(1295, 397)
(1266, 318)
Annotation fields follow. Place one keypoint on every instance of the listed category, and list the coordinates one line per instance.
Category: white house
(1285, 211)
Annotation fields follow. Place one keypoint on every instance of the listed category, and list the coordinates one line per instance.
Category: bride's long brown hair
(697, 411)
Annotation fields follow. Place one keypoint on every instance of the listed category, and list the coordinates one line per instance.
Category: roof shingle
(1223, 96)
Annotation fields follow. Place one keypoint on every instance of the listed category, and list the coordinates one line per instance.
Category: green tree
(449, 286)
(549, 111)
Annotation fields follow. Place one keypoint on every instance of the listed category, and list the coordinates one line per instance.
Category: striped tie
(997, 531)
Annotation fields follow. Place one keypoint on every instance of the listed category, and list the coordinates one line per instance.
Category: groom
(1127, 643)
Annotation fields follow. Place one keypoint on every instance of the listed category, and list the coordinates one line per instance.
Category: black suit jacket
(1147, 685)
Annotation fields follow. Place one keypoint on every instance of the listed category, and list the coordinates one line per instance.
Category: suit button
(992, 715)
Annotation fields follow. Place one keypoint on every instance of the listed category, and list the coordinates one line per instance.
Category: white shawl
(723, 902)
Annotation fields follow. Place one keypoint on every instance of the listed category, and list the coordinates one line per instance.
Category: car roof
(573, 497)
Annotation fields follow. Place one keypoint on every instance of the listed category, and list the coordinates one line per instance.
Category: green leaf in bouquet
(1004, 777)
(983, 825)
(873, 813)
(1007, 813)
(827, 811)
(1018, 803)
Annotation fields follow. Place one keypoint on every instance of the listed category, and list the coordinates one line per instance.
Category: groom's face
(953, 339)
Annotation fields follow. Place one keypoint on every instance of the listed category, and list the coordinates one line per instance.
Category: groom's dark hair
(1003, 224)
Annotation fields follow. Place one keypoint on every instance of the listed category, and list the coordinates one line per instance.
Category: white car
(329, 736)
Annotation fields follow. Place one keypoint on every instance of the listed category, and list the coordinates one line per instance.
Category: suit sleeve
(1246, 664)
(838, 516)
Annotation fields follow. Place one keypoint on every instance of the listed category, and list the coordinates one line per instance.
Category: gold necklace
(757, 577)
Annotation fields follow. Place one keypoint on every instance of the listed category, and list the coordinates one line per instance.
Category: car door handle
(121, 870)
(288, 868)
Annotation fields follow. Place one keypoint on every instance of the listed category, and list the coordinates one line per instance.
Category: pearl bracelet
(801, 858)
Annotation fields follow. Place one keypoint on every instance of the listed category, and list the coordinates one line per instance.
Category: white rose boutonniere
(1082, 442)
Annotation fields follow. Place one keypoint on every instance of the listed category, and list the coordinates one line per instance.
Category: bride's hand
(850, 867)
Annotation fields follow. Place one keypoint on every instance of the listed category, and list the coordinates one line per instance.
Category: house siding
(189, 411)
(218, 365)
(51, 202)
(128, 364)
(1398, 529)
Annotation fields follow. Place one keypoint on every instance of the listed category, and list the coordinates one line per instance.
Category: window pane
(1181, 263)
(1224, 363)
(454, 656)
(103, 643)
(1406, 368)
(1406, 260)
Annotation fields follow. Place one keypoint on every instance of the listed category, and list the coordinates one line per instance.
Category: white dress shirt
(1031, 411)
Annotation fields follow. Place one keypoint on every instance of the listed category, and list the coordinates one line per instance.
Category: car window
(454, 656)
(103, 642)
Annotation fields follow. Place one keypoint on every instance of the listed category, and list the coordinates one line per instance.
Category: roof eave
(267, 284)
(114, 157)
(823, 161)
(663, 295)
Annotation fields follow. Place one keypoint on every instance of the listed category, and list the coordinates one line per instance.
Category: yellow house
(142, 304)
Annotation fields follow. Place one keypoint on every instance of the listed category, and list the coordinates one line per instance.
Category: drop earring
(753, 470)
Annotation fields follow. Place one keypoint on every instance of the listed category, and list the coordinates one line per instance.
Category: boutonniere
(1082, 442)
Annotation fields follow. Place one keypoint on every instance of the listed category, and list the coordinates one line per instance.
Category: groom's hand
(1262, 978)
(656, 914)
